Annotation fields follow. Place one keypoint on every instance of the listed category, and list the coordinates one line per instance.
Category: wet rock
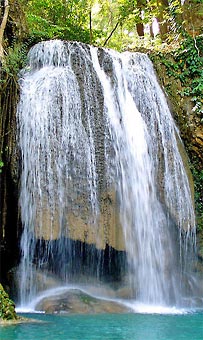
(76, 301)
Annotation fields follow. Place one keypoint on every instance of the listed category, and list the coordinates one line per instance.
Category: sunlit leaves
(116, 21)
(59, 19)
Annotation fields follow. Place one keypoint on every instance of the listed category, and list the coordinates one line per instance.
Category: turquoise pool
(107, 327)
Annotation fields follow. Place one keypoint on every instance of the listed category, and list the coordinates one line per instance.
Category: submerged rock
(76, 301)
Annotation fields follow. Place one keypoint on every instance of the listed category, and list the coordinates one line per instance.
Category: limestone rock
(76, 301)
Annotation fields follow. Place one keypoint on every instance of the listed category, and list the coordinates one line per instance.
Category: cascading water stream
(91, 121)
(139, 208)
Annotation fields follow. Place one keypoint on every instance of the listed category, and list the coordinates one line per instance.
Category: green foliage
(187, 67)
(7, 306)
(1, 166)
(59, 19)
(14, 61)
(110, 22)
(184, 83)
(87, 299)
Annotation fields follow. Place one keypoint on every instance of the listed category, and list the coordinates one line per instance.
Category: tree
(50, 19)
(113, 23)
(4, 14)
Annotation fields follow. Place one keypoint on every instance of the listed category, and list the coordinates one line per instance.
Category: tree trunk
(2, 28)
(163, 6)
(139, 25)
(140, 29)
(151, 31)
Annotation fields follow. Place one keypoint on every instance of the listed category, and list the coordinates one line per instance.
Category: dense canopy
(113, 23)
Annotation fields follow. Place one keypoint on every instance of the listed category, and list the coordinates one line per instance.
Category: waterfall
(95, 131)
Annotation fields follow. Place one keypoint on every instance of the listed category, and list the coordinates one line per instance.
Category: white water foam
(134, 306)
(141, 308)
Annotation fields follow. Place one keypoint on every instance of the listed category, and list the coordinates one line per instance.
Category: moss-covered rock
(7, 306)
(76, 301)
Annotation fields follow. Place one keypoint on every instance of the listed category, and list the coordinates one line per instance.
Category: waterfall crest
(100, 167)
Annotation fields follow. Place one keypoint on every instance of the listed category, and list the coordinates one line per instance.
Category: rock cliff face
(99, 150)
(192, 16)
(79, 227)
(183, 86)
(110, 233)
(188, 120)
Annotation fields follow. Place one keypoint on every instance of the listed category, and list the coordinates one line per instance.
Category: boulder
(76, 301)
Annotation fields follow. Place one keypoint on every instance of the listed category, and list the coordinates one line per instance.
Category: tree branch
(112, 32)
(90, 25)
